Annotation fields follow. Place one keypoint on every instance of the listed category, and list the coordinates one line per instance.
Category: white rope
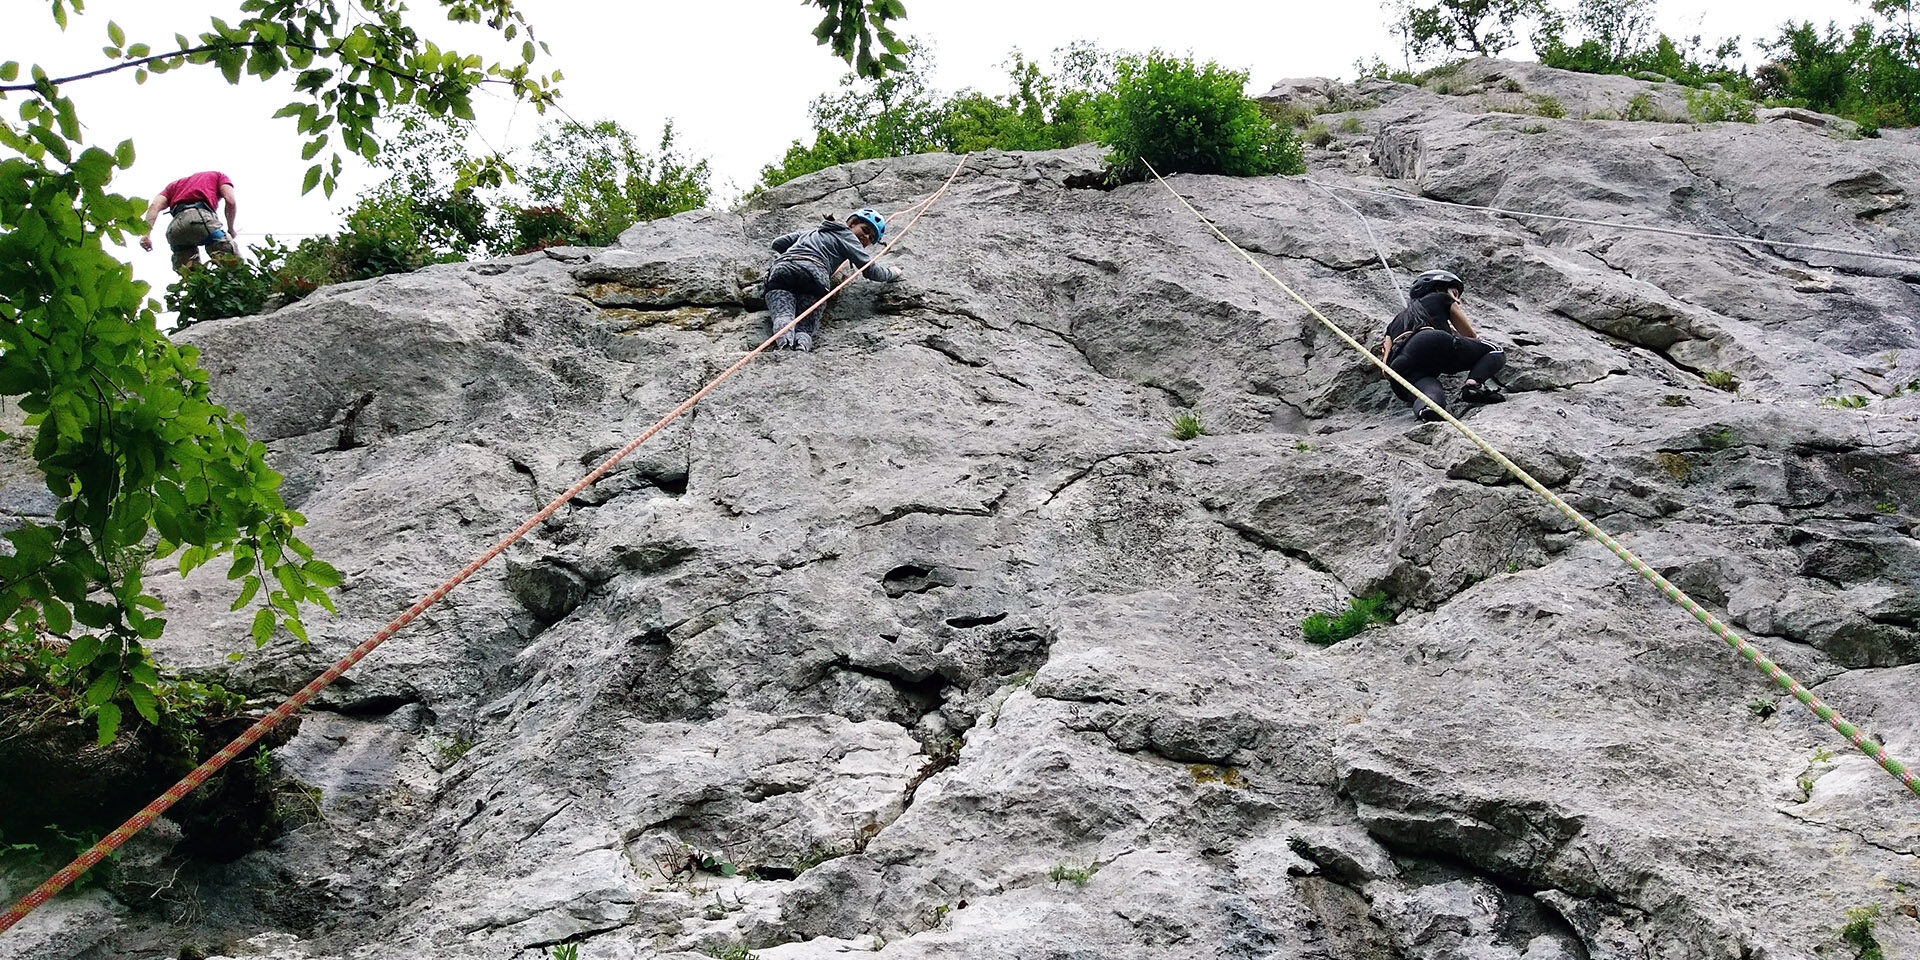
(1393, 286)
(1643, 228)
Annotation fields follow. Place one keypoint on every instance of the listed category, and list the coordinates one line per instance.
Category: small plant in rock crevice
(1720, 380)
(1851, 401)
(1640, 107)
(1325, 630)
(451, 749)
(1858, 932)
(737, 951)
(1076, 874)
(1763, 707)
(1186, 426)
(564, 951)
(1549, 107)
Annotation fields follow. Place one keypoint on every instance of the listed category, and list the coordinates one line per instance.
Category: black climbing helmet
(1434, 280)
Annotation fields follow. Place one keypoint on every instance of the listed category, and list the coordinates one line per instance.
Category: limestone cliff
(935, 643)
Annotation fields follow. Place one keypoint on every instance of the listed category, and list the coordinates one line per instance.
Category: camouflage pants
(191, 229)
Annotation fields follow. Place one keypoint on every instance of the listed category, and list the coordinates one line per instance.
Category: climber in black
(1432, 336)
(803, 271)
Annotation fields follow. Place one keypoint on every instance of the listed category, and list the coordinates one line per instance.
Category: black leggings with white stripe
(1430, 353)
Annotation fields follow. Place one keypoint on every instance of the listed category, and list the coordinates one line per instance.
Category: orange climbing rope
(240, 744)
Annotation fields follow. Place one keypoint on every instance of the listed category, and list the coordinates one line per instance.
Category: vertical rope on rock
(1854, 735)
(240, 744)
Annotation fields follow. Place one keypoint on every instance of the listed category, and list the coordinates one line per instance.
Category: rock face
(935, 643)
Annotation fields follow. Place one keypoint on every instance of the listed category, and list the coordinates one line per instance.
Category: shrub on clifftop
(1179, 116)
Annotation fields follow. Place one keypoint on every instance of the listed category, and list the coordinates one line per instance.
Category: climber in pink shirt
(191, 201)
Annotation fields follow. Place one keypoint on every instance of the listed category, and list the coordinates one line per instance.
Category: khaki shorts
(189, 232)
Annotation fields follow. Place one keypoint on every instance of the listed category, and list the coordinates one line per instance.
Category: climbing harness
(1855, 735)
(138, 821)
(1637, 227)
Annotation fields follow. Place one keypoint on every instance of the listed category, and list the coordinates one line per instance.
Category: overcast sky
(735, 75)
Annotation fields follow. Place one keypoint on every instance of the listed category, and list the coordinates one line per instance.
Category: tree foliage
(604, 182)
(1869, 72)
(1482, 28)
(854, 28)
(1194, 118)
(900, 114)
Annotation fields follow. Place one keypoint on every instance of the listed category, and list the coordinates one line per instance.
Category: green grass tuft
(1325, 630)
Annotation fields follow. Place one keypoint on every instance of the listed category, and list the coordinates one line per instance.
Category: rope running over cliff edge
(240, 744)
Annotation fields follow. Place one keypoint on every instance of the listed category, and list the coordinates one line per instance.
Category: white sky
(735, 75)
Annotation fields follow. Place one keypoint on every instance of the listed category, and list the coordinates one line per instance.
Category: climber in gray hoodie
(803, 271)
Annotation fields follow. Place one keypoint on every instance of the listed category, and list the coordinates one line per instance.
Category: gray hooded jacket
(829, 245)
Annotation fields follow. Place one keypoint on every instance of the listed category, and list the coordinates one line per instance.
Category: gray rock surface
(934, 643)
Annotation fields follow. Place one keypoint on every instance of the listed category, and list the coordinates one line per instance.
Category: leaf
(10, 71)
(321, 573)
(67, 582)
(108, 720)
(143, 702)
(123, 154)
(117, 35)
(295, 627)
(96, 615)
(103, 687)
(247, 590)
(262, 627)
(58, 618)
(83, 650)
(312, 180)
(291, 581)
(142, 671)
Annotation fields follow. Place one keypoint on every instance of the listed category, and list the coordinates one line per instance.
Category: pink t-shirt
(204, 187)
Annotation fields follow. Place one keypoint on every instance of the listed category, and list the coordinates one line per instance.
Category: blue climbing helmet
(873, 219)
(1434, 280)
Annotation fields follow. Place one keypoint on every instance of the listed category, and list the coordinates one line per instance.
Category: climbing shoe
(1481, 393)
(784, 342)
(803, 342)
(1427, 414)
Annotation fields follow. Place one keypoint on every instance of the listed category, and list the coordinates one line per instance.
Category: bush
(1325, 630)
(229, 287)
(1183, 117)
(383, 236)
(601, 179)
(536, 228)
(1868, 74)
(1640, 108)
(1718, 106)
(899, 114)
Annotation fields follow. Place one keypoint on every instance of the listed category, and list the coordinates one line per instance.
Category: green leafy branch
(852, 27)
(143, 464)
